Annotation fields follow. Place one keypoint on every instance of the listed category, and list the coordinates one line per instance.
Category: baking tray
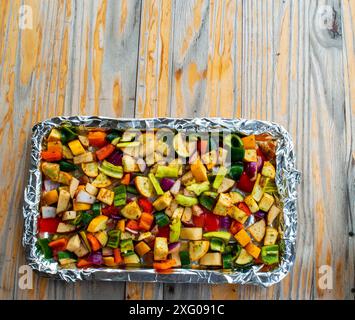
(287, 178)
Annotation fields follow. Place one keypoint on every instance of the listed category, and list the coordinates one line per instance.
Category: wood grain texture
(287, 61)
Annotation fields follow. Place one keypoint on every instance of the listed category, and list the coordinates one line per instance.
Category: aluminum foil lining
(287, 178)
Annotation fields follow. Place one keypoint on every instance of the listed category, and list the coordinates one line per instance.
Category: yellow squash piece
(76, 147)
(199, 171)
(106, 196)
(97, 224)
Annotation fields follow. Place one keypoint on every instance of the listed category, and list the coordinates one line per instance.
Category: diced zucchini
(76, 147)
(101, 181)
(212, 259)
(236, 197)
(226, 185)
(65, 228)
(131, 260)
(199, 171)
(244, 258)
(97, 224)
(186, 201)
(51, 170)
(106, 196)
(250, 155)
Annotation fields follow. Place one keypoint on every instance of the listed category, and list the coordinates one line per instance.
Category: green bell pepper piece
(222, 171)
(217, 244)
(207, 202)
(227, 260)
(42, 244)
(126, 245)
(114, 238)
(67, 166)
(185, 200)
(185, 259)
(120, 196)
(175, 229)
(67, 134)
(236, 171)
(167, 172)
(224, 235)
(270, 254)
(161, 219)
(96, 209)
(155, 184)
(86, 217)
(132, 189)
(111, 170)
(113, 135)
(237, 154)
(198, 188)
(233, 140)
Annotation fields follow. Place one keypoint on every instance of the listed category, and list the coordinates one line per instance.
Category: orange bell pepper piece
(94, 243)
(145, 221)
(97, 138)
(132, 224)
(105, 151)
(51, 156)
(117, 255)
(164, 265)
(59, 244)
(83, 263)
(126, 179)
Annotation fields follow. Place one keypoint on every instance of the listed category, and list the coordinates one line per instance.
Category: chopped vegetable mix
(116, 199)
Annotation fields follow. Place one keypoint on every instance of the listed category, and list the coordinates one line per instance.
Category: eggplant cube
(266, 202)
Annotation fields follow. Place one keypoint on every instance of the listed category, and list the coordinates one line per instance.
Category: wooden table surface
(292, 62)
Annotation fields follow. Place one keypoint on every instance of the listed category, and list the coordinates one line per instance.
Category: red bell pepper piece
(49, 225)
(243, 206)
(164, 232)
(245, 184)
(110, 210)
(199, 221)
(235, 227)
(211, 222)
(145, 205)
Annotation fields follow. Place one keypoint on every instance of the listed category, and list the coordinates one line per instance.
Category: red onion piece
(95, 258)
(251, 169)
(176, 187)
(260, 214)
(115, 158)
(166, 183)
(50, 185)
(225, 223)
(260, 163)
(131, 230)
(174, 247)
